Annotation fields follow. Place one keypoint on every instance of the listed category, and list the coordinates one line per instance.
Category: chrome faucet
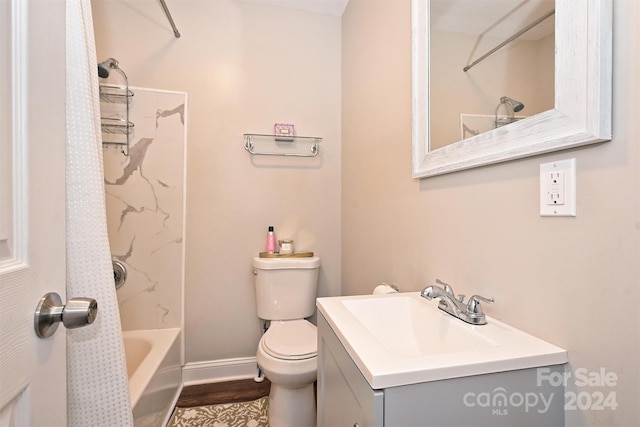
(470, 312)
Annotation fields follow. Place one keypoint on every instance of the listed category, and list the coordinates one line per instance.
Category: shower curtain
(97, 386)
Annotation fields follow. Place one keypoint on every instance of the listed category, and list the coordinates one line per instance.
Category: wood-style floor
(224, 392)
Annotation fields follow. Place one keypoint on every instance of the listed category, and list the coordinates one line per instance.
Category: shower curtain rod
(507, 41)
(173, 25)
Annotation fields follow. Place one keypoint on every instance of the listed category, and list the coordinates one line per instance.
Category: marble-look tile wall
(145, 210)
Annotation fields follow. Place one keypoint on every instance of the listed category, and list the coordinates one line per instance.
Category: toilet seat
(291, 340)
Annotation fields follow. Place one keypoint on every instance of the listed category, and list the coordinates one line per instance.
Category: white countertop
(402, 338)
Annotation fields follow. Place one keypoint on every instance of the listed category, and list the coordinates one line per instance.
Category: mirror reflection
(491, 63)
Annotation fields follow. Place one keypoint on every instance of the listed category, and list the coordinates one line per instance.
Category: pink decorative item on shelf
(283, 130)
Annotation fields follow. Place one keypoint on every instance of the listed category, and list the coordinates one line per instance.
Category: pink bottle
(271, 240)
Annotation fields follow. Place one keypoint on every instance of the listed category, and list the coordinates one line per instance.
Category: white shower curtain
(97, 387)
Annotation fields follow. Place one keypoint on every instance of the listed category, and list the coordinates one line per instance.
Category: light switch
(558, 188)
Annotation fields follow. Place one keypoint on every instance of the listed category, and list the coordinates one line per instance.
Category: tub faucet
(470, 312)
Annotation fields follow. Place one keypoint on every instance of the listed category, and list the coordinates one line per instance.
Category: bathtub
(155, 374)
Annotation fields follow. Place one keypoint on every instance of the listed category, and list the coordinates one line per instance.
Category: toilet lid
(292, 340)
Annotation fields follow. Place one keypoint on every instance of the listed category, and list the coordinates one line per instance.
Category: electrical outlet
(555, 187)
(558, 188)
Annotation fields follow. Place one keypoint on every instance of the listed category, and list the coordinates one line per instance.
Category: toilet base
(292, 406)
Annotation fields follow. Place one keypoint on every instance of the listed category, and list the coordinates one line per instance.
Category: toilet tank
(286, 287)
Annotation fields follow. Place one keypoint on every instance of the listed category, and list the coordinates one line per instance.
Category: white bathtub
(155, 374)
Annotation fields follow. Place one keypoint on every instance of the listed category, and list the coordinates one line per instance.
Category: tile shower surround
(145, 209)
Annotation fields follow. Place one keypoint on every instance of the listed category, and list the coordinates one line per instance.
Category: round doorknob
(78, 312)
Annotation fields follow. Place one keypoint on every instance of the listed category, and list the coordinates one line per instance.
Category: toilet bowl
(288, 350)
(287, 354)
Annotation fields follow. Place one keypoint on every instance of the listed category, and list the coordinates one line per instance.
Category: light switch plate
(558, 188)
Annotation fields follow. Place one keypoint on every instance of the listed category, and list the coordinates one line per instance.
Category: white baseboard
(219, 370)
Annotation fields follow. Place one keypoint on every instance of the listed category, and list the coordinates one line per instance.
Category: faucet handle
(448, 289)
(473, 306)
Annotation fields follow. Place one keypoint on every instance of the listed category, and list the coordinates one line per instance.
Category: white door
(32, 209)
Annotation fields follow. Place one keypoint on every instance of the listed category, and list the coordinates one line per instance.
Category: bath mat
(242, 414)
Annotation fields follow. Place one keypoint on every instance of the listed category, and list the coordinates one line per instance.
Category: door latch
(78, 312)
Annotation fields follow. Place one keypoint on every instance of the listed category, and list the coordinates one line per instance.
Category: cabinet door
(344, 396)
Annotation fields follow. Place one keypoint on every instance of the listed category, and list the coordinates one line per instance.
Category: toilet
(288, 350)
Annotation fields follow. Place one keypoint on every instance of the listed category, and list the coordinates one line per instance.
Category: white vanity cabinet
(344, 396)
(522, 397)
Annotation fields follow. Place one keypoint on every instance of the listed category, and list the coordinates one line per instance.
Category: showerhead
(103, 71)
(104, 66)
(511, 106)
(516, 106)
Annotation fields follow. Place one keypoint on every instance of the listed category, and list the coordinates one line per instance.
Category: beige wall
(245, 67)
(571, 281)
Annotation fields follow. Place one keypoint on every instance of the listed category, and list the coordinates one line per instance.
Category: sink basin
(400, 339)
(407, 327)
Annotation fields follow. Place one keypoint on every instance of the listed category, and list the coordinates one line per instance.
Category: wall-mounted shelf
(115, 94)
(116, 127)
(276, 145)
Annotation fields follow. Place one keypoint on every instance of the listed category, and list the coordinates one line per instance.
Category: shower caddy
(116, 130)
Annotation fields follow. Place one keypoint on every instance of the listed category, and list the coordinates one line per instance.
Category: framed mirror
(581, 112)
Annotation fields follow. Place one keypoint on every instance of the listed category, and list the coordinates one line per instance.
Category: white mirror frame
(582, 113)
